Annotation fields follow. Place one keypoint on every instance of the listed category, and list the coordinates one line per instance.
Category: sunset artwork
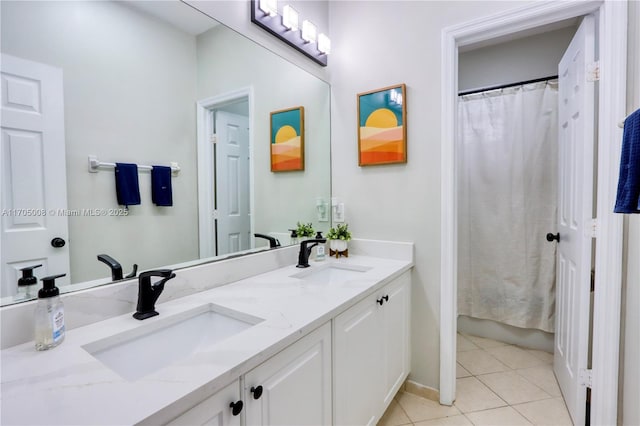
(287, 140)
(382, 132)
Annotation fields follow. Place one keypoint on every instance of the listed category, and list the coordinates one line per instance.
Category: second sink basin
(331, 273)
(136, 353)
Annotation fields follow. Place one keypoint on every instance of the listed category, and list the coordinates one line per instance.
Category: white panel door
(34, 191)
(575, 207)
(232, 182)
(358, 364)
(294, 386)
(395, 326)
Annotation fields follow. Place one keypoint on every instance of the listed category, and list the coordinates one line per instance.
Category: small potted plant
(305, 230)
(338, 238)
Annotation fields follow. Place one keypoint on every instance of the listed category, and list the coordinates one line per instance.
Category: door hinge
(215, 214)
(592, 228)
(586, 377)
(593, 71)
(214, 139)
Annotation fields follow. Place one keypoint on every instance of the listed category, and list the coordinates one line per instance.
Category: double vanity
(328, 344)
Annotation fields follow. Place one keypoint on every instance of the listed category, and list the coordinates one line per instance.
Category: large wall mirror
(148, 83)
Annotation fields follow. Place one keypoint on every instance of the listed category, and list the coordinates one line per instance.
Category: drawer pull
(236, 407)
(257, 392)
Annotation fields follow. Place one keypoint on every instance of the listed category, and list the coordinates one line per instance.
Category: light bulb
(309, 31)
(290, 18)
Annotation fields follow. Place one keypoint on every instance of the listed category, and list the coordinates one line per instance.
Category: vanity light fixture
(270, 7)
(290, 18)
(309, 31)
(324, 43)
(301, 36)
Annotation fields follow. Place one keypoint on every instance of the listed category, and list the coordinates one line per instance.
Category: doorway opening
(611, 103)
(225, 180)
(507, 156)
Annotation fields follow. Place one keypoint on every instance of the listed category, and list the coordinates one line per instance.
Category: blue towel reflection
(127, 187)
(628, 197)
(161, 193)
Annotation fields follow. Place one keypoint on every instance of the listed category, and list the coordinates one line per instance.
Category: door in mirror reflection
(233, 219)
(34, 194)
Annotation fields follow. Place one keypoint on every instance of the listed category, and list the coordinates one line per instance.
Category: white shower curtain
(507, 205)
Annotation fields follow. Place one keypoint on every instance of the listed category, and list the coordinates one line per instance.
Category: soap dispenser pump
(28, 279)
(294, 236)
(49, 320)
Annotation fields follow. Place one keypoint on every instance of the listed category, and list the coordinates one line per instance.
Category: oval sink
(136, 353)
(331, 273)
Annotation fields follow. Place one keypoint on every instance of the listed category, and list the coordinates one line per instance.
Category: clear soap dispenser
(49, 317)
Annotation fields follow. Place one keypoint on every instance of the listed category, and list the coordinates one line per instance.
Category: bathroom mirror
(150, 83)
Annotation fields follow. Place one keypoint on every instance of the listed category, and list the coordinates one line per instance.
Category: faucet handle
(164, 273)
(134, 272)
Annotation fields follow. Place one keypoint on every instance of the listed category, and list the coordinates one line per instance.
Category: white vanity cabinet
(294, 386)
(221, 409)
(371, 353)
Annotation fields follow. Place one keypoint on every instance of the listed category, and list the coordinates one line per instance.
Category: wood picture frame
(287, 140)
(382, 126)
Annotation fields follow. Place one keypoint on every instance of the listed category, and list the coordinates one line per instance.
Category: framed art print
(287, 140)
(382, 127)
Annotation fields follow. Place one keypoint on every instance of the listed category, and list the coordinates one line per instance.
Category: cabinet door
(357, 364)
(395, 328)
(215, 410)
(294, 386)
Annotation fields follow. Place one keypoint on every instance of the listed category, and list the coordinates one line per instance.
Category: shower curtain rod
(504, 86)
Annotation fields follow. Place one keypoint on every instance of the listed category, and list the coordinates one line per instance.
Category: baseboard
(421, 390)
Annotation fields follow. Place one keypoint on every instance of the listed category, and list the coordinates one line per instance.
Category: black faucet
(273, 242)
(116, 268)
(305, 252)
(148, 293)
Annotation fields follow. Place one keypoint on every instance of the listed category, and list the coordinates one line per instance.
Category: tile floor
(497, 384)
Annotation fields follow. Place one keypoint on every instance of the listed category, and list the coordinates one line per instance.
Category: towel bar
(95, 165)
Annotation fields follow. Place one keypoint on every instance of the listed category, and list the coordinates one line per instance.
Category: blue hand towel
(628, 199)
(127, 188)
(161, 186)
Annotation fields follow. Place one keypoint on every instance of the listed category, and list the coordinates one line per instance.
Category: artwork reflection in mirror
(133, 82)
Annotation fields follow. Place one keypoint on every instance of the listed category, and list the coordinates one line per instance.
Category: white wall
(522, 59)
(227, 60)
(129, 97)
(397, 42)
(236, 14)
(629, 413)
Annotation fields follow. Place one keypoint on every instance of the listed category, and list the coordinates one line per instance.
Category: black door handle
(58, 242)
(257, 392)
(551, 237)
(236, 407)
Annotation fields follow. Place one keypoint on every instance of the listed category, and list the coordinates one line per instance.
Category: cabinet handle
(257, 392)
(236, 407)
(383, 299)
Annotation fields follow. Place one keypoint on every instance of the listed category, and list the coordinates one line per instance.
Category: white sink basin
(136, 353)
(331, 273)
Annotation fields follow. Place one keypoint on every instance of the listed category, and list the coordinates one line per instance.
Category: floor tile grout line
(402, 408)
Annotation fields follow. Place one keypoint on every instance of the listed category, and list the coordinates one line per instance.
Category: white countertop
(67, 385)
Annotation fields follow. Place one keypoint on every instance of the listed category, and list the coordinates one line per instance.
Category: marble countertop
(68, 386)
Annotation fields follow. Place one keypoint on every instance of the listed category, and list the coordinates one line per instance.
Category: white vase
(338, 245)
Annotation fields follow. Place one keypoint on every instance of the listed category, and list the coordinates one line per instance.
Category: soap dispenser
(294, 236)
(27, 280)
(49, 318)
(320, 248)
